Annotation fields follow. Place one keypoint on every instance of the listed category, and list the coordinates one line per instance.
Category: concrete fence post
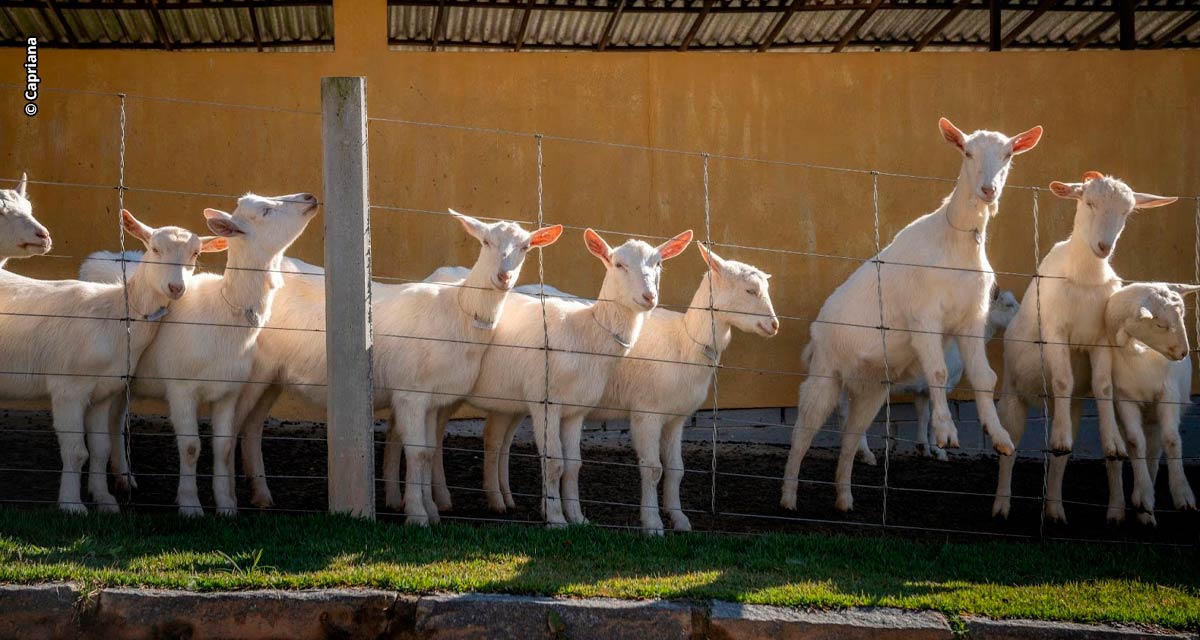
(348, 343)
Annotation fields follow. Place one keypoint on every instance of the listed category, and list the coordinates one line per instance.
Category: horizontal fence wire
(725, 421)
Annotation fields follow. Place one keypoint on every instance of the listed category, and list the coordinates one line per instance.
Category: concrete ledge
(61, 611)
(502, 617)
(39, 611)
(987, 629)
(152, 614)
(731, 621)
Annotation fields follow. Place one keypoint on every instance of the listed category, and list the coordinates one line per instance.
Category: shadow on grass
(1060, 581)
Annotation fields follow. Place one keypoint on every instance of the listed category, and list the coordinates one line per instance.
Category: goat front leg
(99, 441)
(408, 428)
(546, 434)
(1054, 507)
(1057, 357)
(441, 493)
(572, 433)
(1142, 497)
(1014, 412)
(646, 431)
(1168, 440)
(224, 445)
(671, 447)
(927, 343)
(187, 440)
(983, 380)
(393, 454)
(1102, 391)
(68, 417)
(118, 457)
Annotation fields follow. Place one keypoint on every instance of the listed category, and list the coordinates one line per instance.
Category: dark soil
(925, 498)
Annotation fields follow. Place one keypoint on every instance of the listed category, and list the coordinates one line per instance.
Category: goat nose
(308, 197)
(649, 297)
(774, 325)
(1104, 247)
(175, 289)
(988, 191)
(42, 234)
(503, 276)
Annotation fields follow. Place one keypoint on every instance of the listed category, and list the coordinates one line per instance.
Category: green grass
(1079, 582)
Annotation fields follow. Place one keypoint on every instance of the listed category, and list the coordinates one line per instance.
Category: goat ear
(545, 236)
(1150, 201)
(715, 262)
(134, 227)
(1145, 314)
(1092, 175)
(22, 184)
(1026, 140)
(222, 223)
(474, 227)
(1184, 289)
(213, 244)
(952, 134)
(598, 247)
(674, 246)
(1068, 190)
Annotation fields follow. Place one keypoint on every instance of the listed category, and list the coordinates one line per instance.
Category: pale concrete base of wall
(64, 611)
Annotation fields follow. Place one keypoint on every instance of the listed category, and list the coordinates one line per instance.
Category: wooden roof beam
(611, 26)
(937, 28)
(1015, 32)
(691, 34)
(852, 32)
(780, 22)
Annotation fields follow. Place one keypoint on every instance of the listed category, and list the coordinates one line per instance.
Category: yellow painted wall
(1132, 114)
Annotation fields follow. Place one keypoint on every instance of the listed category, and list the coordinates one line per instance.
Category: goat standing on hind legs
(921, 307)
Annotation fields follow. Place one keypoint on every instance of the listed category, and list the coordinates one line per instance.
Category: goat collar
(709, 351)
(252, 317)
(627, 344)
(978, 234)
(476, 321)
(153, 316)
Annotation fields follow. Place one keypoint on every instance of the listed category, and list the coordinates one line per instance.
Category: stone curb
(60, 611)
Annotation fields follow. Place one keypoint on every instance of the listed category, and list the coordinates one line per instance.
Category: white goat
(1001, 311)
(921, 306)
(587, 341)
(664, 379)
(429, 340)
(20, 234)
(1152, 376)
(1075, 283)
(206, 355)
(71, 341)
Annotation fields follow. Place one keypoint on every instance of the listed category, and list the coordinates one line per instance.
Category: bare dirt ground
(924, 498)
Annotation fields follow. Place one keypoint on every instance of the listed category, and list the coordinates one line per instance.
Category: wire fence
(727, 486)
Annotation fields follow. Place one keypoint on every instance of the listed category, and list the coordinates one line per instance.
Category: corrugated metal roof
(790, 25)
(744, 24)
(209, 24)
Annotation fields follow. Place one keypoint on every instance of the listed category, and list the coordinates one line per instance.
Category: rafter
(937, 28)
(995, 42)
(852, 32)
(777, 28)
(62, 19)
(254, 27)
(1125, 11)
(160, 26)
(439, 23)
(523, 30)
(611, 25)
(1015, 32)
(1095, 34)
(691, 34)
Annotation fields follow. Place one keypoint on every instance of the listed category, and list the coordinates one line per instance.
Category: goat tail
(105, 266)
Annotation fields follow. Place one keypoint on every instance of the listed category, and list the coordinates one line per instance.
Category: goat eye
(968, 154)
(751, 292)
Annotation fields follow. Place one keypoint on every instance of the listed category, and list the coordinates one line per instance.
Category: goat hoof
(1147, 519)
(73, 507)
(1000, 510)
(681, 523)
(191, 512)
(1115, 516)
(227, 512)
(263, 503)
(845, 505)
(788, 502)
(108, 506)
(416, 521)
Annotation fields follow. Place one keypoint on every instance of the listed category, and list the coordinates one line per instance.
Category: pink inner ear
(596, 245)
